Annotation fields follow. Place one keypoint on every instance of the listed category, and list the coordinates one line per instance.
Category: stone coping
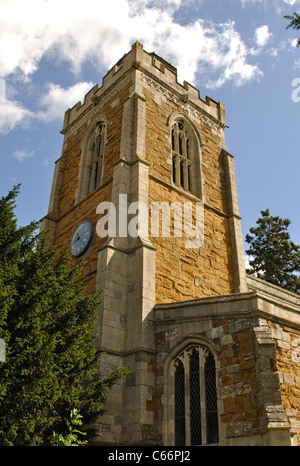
(241, 305)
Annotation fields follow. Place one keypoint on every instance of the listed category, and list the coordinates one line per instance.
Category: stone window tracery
(181, 156)
(96, 158)
(196, 413)
(92, 159)
(185, 154)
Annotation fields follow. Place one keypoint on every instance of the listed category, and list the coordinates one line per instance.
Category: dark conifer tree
(273, 256)
(50, 381)
(294, 23)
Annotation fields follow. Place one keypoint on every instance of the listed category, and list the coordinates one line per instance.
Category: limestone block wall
(284, 331)
(66, 210)
(138, 96)
(183, 273)
(287, 341)
(257, 386)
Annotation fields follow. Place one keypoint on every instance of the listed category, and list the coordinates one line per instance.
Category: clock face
(81, 239)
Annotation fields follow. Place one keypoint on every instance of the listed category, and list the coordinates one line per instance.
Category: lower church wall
(287, 343)
(256, 406)
(254, 338)
(183, 273)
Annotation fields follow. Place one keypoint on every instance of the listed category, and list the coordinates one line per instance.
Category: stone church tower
(145, 190)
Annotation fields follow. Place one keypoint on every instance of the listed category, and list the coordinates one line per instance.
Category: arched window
(196, 413)
(96, 158)
(92, 158)
(185, 145)
(181, 156)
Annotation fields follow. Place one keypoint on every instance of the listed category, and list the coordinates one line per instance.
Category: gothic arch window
(195, 398)
(186, 154)
(96, 157)
(92, 159)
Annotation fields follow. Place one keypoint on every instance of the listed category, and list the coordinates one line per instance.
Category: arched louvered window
(185, 153)
(196, 413)
(96, 158)
(92, 159)
(181, 156)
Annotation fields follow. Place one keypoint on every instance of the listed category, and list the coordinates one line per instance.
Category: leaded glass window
(211, 400)
(196, 413)
(195, 407)
(179, 405)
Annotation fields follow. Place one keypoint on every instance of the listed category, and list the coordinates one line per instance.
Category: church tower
(145, 190)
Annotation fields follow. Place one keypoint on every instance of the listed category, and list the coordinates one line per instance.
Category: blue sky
(236, 51)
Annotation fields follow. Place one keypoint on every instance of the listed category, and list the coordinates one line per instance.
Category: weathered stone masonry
(160, 297)
(251, 393)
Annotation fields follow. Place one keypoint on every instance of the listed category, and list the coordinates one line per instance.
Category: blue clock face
(81, 239)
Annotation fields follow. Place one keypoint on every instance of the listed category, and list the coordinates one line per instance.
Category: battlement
(165, 74)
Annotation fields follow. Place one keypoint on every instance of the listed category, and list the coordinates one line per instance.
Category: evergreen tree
(294, 23)
(273, 256)
(50, 379)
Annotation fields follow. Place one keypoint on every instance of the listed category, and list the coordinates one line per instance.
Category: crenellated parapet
(156, 70)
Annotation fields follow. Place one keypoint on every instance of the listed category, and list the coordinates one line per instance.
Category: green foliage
(48, 323)
(72, 436)
(273, 256)
(294, 23)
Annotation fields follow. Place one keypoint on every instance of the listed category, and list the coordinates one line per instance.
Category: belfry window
(196, 413)
(181, 156)
(96, 158)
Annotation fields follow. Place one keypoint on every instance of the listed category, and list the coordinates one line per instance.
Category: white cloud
(262, 35)
(289, 2)
(53, 105)
(137, 6)
(278, 6)
(2, 90)
(58, 99)
(11, 115)
(224, 52)
(251, 1)
(22, 154)
(88, 32)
